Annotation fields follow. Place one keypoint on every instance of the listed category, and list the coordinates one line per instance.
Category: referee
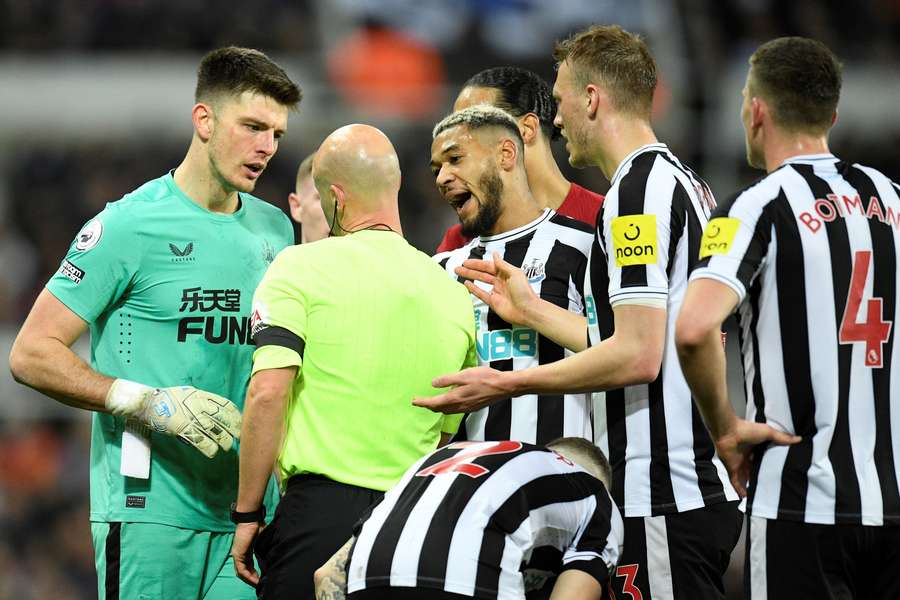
(348, 330)
(808, 257)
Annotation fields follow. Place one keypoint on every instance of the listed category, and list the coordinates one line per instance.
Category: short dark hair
(234, 70)
(586, 454)
(620, 59)
(483, 115)
(519, 92)
(801, 80)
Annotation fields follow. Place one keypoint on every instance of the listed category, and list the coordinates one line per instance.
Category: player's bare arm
(515, 301)
(707, 304)
(264, 410)
(633, 355)
(576, 585)
(331, 578)
(42, 358)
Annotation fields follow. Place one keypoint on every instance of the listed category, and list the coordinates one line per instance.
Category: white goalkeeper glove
(204, 420)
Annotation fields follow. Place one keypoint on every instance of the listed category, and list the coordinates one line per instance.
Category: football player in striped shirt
(477, 159)
(680, 510)
(528, 98)
(485, 520)
(808, 257)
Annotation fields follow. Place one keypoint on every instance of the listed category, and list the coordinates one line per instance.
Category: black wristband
(254, 516)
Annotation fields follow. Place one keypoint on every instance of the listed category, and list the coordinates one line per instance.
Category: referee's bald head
(360, 159)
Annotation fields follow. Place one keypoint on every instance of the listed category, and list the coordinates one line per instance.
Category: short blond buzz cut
(586, 455)
(481, 116)
(620, 61)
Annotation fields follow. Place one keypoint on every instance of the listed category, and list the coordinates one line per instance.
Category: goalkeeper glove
(204, 420)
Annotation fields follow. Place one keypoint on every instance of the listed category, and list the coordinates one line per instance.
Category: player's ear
(529, 125)
(759, 109)
(202, 118)
(509, 153)
(596, 100)
(294, 206)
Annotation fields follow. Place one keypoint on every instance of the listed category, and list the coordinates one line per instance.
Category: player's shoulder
(132, 212)
(259, 207)
(575, 226)
(582, 195)
(757, 193)
(456, 254)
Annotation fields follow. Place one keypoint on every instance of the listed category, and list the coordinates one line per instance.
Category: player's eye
(253, 127)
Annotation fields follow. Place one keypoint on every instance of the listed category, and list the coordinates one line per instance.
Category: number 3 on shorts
(629, 572)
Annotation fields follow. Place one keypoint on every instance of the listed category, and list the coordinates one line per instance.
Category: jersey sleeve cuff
(639, 293)
(590, 563)
(83, 312)
(707, 273)
(274, 357)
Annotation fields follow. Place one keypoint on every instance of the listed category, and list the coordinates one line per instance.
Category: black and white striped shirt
(552, 250)
(812, 252)
(647, 240)
(469, 517)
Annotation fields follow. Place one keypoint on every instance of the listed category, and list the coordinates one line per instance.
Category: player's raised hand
(473, 389)
(511, 296)
(735, 448)
(204, 420)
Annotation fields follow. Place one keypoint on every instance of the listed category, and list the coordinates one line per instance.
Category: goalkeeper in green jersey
(164, 279)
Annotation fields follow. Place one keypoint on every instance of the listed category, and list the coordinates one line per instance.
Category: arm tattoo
(334, 585)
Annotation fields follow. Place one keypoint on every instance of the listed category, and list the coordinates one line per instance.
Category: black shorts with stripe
(792, 559)
(677, 556)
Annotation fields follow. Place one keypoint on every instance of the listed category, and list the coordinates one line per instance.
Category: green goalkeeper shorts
(146, 561)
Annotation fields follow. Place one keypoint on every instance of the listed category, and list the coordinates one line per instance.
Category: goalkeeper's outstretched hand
(204, 420)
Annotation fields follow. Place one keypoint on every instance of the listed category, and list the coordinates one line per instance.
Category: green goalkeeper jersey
(166, 287)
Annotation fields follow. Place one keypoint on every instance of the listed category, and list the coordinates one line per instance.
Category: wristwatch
(254, 516)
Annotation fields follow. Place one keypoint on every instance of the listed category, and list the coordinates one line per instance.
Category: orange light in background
(387, 73)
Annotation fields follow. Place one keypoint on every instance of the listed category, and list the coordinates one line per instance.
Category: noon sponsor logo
(634, 240)
(718, 236)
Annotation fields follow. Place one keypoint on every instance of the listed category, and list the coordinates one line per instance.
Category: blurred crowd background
(95, 98)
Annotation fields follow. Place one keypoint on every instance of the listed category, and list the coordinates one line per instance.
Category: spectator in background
(305, 206)
(347, 330)
(527, 97)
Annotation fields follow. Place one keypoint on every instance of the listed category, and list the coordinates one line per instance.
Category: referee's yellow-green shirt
(370, 321)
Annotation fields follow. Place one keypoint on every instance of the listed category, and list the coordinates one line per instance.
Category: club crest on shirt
(89, 236)
(268, 252)
(534, 271)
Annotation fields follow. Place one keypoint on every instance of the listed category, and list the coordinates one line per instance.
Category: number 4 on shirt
(873, 330)
(462, 462)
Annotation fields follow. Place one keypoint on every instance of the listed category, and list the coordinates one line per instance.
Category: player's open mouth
(255, 169)
(458, 199)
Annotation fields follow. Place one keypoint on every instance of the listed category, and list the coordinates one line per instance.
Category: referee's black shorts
(313, 520)
(681, 555)
(790, 559)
